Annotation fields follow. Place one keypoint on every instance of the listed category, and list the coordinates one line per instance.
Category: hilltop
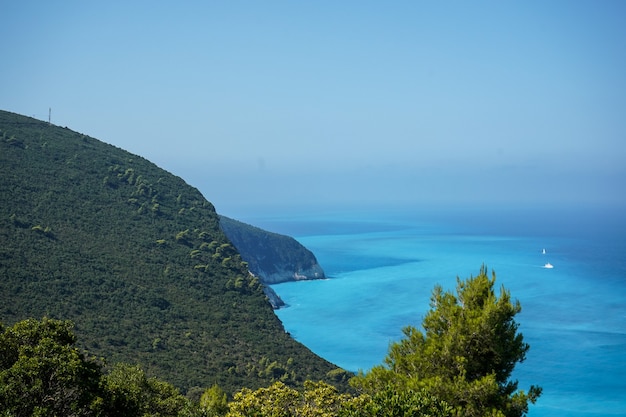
(136, 258)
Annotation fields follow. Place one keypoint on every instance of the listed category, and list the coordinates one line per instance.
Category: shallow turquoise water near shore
(382, 266)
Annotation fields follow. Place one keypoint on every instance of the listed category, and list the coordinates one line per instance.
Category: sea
(382, 264)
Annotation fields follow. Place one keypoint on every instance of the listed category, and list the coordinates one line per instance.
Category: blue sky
(326, 102)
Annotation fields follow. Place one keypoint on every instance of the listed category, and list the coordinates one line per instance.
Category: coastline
(381, 281)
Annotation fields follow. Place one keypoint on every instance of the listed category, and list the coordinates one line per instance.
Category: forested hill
(135, 257)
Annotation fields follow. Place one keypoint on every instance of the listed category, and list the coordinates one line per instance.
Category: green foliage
(214, 402)
(43, 374)
(390, 402)
(130, 393)
(316, 400)
(466, 355)
(136, 259)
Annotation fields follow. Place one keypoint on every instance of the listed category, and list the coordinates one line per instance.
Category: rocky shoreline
(272, 257)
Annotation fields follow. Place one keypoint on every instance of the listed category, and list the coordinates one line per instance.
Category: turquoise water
(383, 264)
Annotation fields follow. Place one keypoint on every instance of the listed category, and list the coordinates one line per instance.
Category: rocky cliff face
(274, 258)
(289, 272)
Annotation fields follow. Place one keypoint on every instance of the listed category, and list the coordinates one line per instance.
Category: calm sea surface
(383, 264)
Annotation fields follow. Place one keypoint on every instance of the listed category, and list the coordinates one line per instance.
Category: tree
(318, 399)
(392, 403)
(214, 402)
(466, 354)
(130, 392)
(43, 374)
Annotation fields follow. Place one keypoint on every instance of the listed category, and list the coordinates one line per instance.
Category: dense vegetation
(42, 373)
(460, 367)
(136, 259)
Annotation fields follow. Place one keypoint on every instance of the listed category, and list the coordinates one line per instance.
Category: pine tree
(465, 355)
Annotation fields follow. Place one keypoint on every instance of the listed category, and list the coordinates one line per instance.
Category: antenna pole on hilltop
(49, 114)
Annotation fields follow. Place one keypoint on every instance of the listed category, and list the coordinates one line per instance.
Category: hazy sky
(331, 102)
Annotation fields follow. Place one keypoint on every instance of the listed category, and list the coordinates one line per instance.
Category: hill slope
(135, 257)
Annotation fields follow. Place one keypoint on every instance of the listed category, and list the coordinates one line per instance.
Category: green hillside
(135, 257)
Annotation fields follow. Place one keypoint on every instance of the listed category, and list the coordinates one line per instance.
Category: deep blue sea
(382, 265)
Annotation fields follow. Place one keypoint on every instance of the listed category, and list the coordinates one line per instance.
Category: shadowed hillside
(135, 257)
(273, 257)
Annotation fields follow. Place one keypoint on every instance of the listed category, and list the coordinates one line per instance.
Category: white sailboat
(548, 265)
